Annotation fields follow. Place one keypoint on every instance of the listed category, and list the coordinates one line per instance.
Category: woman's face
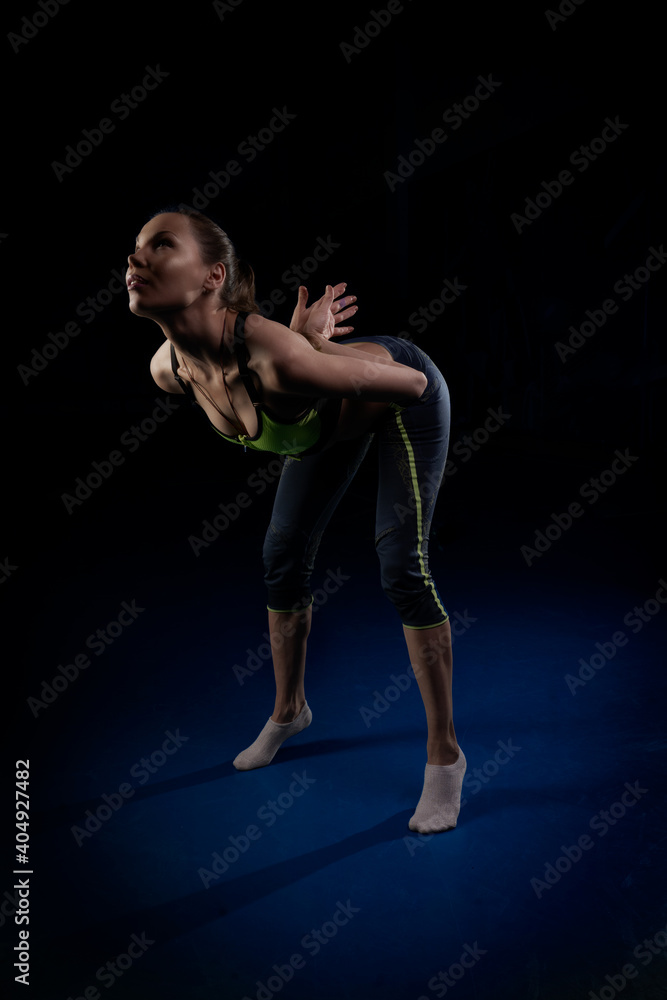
(166, 271)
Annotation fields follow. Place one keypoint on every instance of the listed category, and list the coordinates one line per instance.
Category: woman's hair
(238, 290)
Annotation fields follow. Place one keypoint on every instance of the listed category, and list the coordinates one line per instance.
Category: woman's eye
(157, 243)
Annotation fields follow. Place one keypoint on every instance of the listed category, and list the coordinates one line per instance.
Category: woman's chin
(139, 309)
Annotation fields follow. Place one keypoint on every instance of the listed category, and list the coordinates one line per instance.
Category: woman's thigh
(412, 453)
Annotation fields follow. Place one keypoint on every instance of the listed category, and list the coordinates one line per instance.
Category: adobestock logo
(30, 26)
(591, 491)
(268, 813)
(363, 35)
(454, 117)
(580, 158)
(116, 967)
(606, 651)
(113, 801)
(121, 107)
(600, 823)
(565, 9)
(625, 287)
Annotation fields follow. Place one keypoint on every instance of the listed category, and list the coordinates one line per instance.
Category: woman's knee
(288, 561)
(406, 581)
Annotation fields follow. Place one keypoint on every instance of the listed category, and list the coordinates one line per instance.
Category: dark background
(323, 177)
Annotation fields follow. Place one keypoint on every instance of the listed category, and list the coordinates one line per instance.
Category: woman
(294, 391)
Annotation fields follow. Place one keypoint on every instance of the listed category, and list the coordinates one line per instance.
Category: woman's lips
(134, 280)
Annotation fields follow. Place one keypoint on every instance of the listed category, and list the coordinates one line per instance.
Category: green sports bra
(304, 436)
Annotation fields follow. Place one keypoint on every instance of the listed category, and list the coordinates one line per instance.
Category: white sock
(269, 741)
(438, 807)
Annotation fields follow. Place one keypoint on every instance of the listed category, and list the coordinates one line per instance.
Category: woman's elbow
(416, 387)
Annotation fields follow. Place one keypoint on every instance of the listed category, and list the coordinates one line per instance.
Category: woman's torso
(239, 415)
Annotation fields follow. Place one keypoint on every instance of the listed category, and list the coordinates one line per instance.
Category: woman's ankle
(442, 753)
(288, 713)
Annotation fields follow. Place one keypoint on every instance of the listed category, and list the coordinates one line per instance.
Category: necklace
(240, 428)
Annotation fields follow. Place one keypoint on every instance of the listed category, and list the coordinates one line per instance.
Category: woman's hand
(321, 319)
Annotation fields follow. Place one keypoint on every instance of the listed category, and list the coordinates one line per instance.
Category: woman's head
(238, 291)
(181, 254)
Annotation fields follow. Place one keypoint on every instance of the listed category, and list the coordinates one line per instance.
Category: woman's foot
(269, 741)
(440, 802)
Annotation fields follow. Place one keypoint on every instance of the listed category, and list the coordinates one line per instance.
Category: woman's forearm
(346, 350)
(349, 373)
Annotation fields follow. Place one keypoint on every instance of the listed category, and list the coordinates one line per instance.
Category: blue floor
(302, 879)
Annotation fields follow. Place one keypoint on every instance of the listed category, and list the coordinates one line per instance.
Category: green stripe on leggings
(420, 526)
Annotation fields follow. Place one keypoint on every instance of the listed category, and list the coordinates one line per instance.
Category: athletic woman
(295, 392)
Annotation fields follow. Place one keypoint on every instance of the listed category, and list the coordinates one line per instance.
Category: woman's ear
(215, 278)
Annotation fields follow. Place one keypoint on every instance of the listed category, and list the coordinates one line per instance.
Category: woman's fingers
(342, 310)
(330, 310)
(345, 314)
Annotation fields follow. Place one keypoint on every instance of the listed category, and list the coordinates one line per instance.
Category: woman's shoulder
(161, 369)
(273, 351)
(257, 324)
(270, 338)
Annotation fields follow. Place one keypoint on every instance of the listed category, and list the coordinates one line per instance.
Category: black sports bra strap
(241, 349)
(185, 386)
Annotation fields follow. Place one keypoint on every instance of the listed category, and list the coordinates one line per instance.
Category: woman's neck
(201, 340)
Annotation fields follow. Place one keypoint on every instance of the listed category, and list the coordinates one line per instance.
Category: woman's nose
(133, 258)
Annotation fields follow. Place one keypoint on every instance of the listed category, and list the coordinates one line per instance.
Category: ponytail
(244, 299)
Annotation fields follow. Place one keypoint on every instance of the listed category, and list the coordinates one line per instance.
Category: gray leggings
(412, 449)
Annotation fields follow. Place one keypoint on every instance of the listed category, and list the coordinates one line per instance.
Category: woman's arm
(320, 321)
(344, 350)
(287, 362)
